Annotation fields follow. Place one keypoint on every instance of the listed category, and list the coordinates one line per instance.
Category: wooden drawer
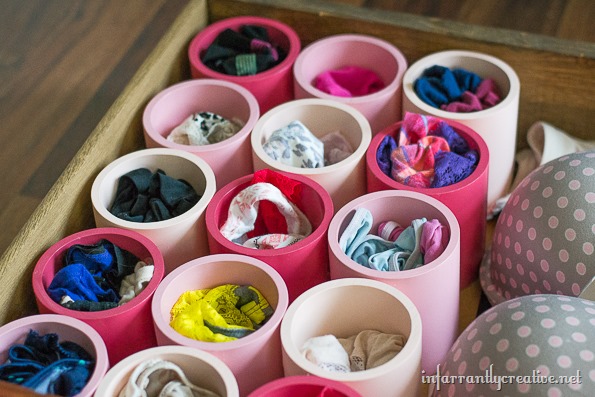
(557, 85)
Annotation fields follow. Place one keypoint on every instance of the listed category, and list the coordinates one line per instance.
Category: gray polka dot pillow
(535, 345)
(544, 239)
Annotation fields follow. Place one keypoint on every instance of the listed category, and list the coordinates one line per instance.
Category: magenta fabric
(434, 239)
(486, 96)
(413, 163)
(349, 81)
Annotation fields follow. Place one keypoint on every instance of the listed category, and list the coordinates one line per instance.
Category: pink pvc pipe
(114, 325)
(67, 329)
(381, 108)
(201, 368)
(467, 199)
(302, 265)
(496, 125)
(433, 288)
(271, 87)
(179, 239)
(229, 159)
(254, 359)
(304, 386)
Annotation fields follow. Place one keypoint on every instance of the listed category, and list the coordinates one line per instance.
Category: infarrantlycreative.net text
(489, 378)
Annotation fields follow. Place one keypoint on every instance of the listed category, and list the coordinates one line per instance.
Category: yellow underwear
(220, 314)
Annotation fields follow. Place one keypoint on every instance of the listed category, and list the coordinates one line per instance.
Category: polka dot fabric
(549, 333)
(544, 239)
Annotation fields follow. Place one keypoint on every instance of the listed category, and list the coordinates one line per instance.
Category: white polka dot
(491, 317)
(553, 222)
(590, 197)
(472, 334)
(588, 171)
(539, 299)
(494, 329)
(519, 269)
(523, 388)
(581, 268)
(574, 185)
(516, 316)
(525, 288)
(507, 295)
(555, 341)
(547, 244)
(547, 192)
(517, 248)
(545, 266)
(532, 274)
(563, 298)
(559, 175)
(564, 361)
(534, 185)
(588, 248)
(576, 289)
(512, 364)
(502, 345)
(525, 204)
(579, 337)
(586, 355)
(575, 163)
(563, 255)
(546, 285)
(532, 350)
(513, 283)
(515, 200)
(484, 363)
(507, 241)
(542, 309)
(562, 202)
(532, 233)
(537, 212)
(580, 215)
(589, 310)
(567, 308)
(573, 321)
(570, 234)
(462, 367)
(509, 221)
(476, 347)
(514, 305)
(563, 158)
(543, 370)
(554, 392)
(457, 355)
(519, 226)
(524, 331)
(508, 263)
(592, 375)
(560, 276)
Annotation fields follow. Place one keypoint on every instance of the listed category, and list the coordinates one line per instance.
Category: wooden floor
(63, 63)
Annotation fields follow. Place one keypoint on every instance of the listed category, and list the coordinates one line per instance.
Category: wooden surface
(67, 206)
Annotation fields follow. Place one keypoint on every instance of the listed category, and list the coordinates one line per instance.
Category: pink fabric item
(390, 230)
(486, 96)
(349, 81)
(434, 239)
(415, 127)
(413, 164)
